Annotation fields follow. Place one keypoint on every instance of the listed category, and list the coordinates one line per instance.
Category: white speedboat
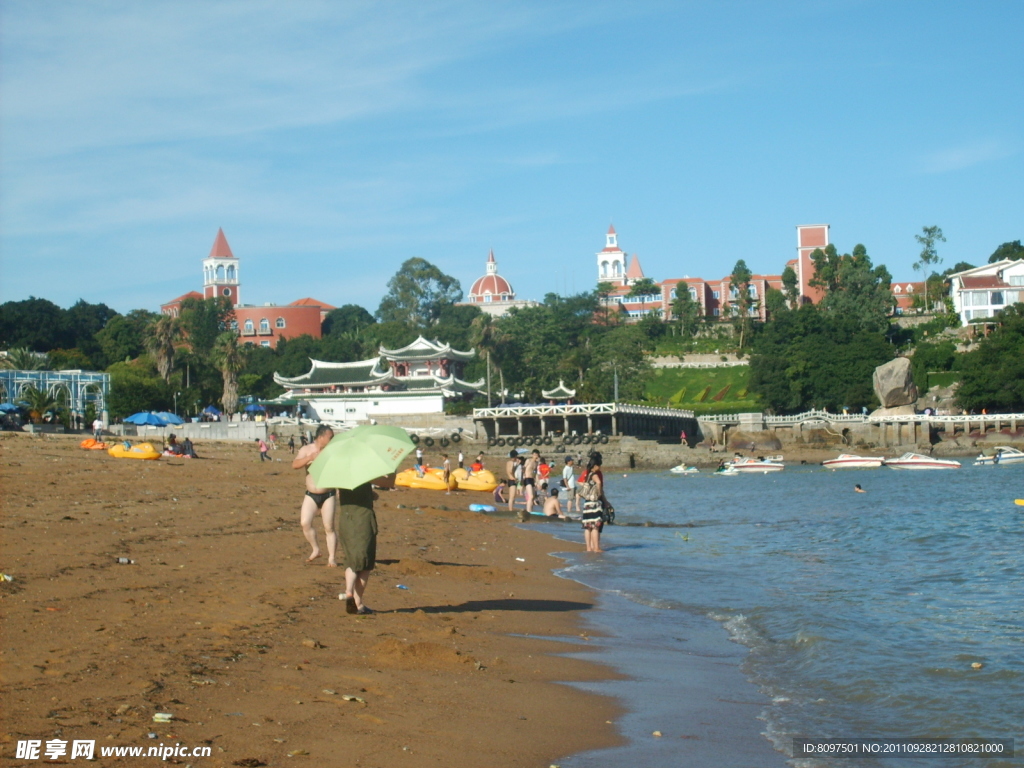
(920, 461)
(726, 471)
(852, 461)
(682, 469)
(771, 464)
(1004, 455)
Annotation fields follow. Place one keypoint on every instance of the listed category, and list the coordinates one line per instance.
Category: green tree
(853, 287)
(347, 319)
(70, 359)
(808, 358)
(136, 386)
(417, 293)
(39, 404)
(618, 353)
(686, 311)
(791, 287)
(929, 255)
(741, 302)
(82, 322)
(641, 289)
(775, 303)
(161, 338)
(124, 336)
(24, 359)
(603, 291)
(203, 321)
(992, 376)
(230, 361)
(36, 324)
(1012, 250)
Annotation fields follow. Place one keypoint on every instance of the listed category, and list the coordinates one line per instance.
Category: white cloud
(965, 156)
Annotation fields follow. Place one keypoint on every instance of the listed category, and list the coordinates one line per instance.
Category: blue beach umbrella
(212, 409)
(146, 418)
(254, 407)
(9, 407)
(170, 418)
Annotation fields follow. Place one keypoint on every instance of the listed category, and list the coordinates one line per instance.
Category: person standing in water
(317, 498)
(594, 502)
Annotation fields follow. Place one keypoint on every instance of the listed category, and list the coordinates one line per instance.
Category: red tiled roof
(492, 284)
(221, 249)
(634, 271)
(983, 281)
(308, 302)
(189, 295)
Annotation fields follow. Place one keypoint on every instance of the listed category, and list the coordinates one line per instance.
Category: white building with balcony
(985, 291)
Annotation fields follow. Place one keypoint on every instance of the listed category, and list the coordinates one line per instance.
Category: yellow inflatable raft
(484, 480)
(90, 444)
(432, 480)
(140, 451)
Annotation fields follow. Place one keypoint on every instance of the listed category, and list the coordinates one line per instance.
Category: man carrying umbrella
(317, 498)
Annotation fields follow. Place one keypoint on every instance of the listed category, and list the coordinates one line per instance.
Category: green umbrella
(359, 456)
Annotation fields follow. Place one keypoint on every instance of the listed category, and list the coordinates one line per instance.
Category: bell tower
(220, 271)
(611, 261)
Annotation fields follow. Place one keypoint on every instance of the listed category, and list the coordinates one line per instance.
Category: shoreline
(221, 623)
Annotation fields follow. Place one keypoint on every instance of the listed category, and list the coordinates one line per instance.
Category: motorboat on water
(760, 464)
(726, 471)
(682, 469)
(1004, 455)
(920, 461)
(852, 461)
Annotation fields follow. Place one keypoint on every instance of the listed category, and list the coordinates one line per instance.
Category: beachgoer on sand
(317, 498)
(263, 451)
(446, 468)
(357, 526)
(511, 466)
(569, 484)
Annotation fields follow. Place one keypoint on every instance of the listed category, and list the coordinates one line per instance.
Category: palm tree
(641, 289)
(39, 403)
(160, 339)
(230, 361)
(24, 359)
(487, 335)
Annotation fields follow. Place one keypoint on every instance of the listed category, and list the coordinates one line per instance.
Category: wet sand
(222, 623)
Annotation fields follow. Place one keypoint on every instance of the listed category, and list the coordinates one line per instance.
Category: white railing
(577, 409)
(815, 415)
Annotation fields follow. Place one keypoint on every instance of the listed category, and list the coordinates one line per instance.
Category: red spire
(634, 271)
(490, 257)
(611, 229)
(221, 249)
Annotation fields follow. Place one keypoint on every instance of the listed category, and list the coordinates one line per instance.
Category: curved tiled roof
(422, 349)
(358, 374)
(561, 392)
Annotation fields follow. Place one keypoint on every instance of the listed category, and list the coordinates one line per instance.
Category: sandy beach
(222, 623)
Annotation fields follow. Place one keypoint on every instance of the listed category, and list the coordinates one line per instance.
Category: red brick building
(262, 325)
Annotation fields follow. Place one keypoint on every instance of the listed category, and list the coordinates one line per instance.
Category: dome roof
(492, 284)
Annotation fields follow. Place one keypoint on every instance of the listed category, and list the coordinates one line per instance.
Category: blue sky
(334, 140)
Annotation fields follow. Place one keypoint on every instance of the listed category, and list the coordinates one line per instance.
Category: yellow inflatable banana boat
(484, 480)
(141, 451)
(432, 480)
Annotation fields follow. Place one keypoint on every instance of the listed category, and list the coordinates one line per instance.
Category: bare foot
(331, 564)
(314, 556)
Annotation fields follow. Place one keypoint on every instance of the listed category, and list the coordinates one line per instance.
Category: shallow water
(851, 615)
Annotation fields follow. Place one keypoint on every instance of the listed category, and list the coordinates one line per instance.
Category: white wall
(371, 405)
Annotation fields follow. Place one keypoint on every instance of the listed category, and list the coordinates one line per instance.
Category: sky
(334, 140)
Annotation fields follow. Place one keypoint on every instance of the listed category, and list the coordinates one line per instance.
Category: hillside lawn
(703, 390)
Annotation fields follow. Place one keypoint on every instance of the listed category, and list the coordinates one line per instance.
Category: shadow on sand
(506, 604)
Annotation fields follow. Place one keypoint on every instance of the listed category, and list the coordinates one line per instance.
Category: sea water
(750, 610)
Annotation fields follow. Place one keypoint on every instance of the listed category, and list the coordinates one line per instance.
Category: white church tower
(611, 261)
(220, 271)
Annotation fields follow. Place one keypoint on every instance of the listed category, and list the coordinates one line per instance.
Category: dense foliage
(810, 358)
(992, 376)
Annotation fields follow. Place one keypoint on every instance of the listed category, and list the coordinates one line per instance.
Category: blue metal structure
(72, 389)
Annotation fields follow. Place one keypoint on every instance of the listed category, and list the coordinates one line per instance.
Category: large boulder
(894, 383)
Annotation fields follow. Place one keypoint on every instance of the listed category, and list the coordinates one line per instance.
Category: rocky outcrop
(894, 383)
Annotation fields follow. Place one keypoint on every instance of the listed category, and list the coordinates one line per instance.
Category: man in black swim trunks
(317, 498)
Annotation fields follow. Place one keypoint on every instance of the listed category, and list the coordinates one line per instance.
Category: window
(231, 272)
(220, 272)
(264, 325)
(997, 299)
(693, 294)
(616, 269)
(264, 343)
(752, 291)
(604, 269)
(227, 291)
(716, 312)
(280, 322)
(249, 328)
(1016, 279)
(717, 296)
(234, 326)
(487, 297)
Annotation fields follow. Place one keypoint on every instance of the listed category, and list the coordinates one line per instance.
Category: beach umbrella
(211, 409)
(9, 407)
(254, 407)
(361, 455)
(170, 418)
(146, 418)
